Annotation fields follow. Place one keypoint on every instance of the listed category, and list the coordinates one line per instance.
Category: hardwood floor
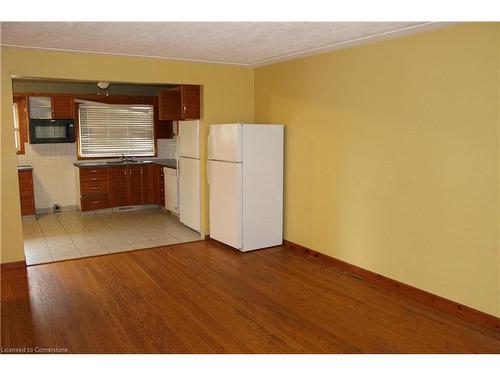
(203, 297)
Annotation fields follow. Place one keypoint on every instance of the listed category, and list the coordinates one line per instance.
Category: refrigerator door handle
(177, 168)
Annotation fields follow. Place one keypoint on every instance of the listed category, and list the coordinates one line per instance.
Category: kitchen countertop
(24, 168)
(169, 163)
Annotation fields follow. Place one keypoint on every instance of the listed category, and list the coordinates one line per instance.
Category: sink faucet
(125, 158)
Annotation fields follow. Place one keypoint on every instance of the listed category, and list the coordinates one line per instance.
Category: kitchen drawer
(87, 173)
(91, 187)
(94, 178)
(25, 175)
(26, 182)
(27, 206)
(26, 185)
(26, 193)
(96, 202)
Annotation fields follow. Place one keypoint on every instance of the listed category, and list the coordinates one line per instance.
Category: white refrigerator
(188, 171)
(245, 177)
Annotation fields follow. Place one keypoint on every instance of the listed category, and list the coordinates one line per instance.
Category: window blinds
(115, 129)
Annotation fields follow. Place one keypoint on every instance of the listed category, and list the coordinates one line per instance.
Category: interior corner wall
(392, 149)
(392, 157)
(227, 96)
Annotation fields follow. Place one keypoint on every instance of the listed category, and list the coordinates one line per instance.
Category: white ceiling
(239, 43)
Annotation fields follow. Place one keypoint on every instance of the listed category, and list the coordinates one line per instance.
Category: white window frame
(122, 124)
(17, 127)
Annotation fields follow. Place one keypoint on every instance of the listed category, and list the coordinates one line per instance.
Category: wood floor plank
(203, 297)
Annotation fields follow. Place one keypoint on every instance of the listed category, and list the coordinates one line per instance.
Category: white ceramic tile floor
(69, 235)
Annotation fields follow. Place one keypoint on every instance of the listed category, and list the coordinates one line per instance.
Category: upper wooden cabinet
(169, 104)
(190, 102)
(179, 103)
(63, 106)
(57, 106)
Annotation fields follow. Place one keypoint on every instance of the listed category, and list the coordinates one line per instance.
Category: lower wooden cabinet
(26, 192)
(135, 184)
(156, 190)
(95, 202)
(117, 186)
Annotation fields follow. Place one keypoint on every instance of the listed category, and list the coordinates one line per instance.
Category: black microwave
(52, 131)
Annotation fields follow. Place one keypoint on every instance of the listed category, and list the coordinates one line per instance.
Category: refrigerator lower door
(189, 193)
(225, 142)
(226, 202)
(188, 139)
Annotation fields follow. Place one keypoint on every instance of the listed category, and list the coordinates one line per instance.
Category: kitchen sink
(129, 161)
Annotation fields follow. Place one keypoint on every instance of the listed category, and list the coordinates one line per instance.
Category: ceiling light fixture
(103, 85)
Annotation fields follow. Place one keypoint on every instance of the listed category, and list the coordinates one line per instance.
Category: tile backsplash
(167, 148)
(54, 173)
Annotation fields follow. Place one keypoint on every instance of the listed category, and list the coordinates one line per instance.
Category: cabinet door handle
(93, 178)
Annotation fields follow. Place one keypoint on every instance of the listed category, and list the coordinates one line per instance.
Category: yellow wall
(392, 157)
(227, 97)
(392, 149)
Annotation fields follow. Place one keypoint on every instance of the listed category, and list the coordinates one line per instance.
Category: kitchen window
(17, 128)
(109, 130)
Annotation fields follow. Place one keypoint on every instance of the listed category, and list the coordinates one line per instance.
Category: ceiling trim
(123, 54)
(425, 26)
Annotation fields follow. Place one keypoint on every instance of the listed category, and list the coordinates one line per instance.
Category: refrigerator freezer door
(224, 142)
(188, 141)
(226, 202)
(189, 193)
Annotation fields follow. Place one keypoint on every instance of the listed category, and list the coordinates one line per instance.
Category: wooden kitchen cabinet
(169, 104)
(22, 118)
(56, 106)
(94, 188)
(96, 202)
(26, 192)
(190, 102)
(148, 185)
(125, 186)
(161, 184)
(117, 186)
(163, 128)
(63, 107)
(179, 103)
(156, 183)
(135, 183)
